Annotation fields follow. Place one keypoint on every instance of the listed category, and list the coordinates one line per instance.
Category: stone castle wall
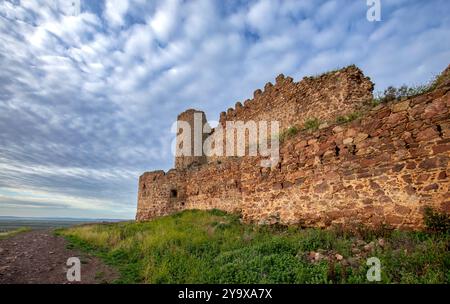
(381, 169)
(292, 103)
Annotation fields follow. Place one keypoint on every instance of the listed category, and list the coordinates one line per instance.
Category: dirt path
(39, 257)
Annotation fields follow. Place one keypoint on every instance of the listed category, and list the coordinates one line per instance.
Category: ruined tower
(190, 139)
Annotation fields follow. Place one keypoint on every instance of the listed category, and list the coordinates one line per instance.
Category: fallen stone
(338, 129)
(348, 141)
(352, 261)
(369, 247)
(338, 257)
(360, 243)
(315, 256)
(360, 137)
(318, 256)
(356, 250)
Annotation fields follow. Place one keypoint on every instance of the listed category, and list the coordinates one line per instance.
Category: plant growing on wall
(392, 93)
(312, 124)
(288, 133)
(348, 118)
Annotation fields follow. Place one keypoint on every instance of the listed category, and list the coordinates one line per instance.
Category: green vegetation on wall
(312, 124)
(348, 118)
(288, 133)
(392, 93)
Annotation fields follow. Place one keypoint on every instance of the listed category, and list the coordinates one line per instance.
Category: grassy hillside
(11, 233)
(214, 247)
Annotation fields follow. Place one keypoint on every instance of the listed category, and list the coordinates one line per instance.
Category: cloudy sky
(87, 100)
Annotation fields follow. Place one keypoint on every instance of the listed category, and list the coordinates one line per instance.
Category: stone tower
(190, 139)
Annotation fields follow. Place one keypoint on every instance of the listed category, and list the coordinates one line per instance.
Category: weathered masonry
(383, 168)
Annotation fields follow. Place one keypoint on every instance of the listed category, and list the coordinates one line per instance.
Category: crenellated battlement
(291, 103)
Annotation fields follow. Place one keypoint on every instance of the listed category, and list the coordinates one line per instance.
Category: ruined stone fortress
(382, 168)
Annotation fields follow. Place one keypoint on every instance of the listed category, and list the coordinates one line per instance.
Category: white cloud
(200, 18)
(165, 19)
(261, 15)
(115, 11)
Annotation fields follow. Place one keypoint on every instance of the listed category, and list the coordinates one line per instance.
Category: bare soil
(40, 257)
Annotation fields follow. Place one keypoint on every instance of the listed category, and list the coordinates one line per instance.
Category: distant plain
(8, 223)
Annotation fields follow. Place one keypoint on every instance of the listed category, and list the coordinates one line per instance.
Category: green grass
(11, 233)
(436, 221)
(331, 71)
(311, 124)
(214, 247)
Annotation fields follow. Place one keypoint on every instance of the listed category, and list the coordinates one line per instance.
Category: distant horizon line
(64, 217)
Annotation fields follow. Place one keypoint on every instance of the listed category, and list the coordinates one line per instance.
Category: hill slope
(214, 247)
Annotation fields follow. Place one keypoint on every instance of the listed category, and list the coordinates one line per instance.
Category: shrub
(288, 133)
(312, 124)
(436, 221)
(348, 118)
(393, 93)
